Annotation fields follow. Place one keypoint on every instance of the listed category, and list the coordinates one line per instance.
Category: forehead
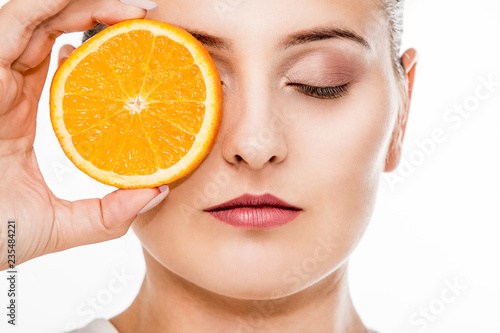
(265, 22)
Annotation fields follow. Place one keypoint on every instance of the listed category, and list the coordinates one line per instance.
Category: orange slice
(137, 105)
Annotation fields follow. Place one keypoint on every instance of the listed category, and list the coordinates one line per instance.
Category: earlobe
(64, 52)
(409, 61)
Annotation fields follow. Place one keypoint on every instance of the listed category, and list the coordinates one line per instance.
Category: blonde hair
(393, 10)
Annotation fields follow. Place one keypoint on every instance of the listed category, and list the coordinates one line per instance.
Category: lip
(255, 211)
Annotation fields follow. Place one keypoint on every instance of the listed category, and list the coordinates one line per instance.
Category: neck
(168, 303)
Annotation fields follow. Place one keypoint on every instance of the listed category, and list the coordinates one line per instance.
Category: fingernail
(156, 200)
(148, 5)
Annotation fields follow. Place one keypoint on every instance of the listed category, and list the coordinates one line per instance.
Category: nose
(255, 131)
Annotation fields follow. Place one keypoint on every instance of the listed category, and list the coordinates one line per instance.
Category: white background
(436, 225)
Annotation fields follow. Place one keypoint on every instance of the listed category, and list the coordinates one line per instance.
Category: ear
(409, 61)
(64, 52)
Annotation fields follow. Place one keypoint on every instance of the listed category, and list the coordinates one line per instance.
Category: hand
(45, 223)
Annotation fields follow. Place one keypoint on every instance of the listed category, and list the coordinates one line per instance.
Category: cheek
(340, 149)
(344, 140)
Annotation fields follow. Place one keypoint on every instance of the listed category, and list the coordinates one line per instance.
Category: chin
(254, 287)
(254, 274)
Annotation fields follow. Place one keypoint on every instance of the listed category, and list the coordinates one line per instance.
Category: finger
(77, 16)
(153, 203)
(64, 53)
(150, 6)
(25, 91)
(96, 220)
(18, 19)
(34, 80)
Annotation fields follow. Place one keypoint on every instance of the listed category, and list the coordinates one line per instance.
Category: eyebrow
(322, 33)
(297, 38)
(209, 40)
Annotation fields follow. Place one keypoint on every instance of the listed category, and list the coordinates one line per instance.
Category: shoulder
(99, 325)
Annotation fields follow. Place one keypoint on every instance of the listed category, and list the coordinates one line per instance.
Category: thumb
(119, 208)
(91, 221)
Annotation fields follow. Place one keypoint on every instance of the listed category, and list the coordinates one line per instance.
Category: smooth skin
(324, 155)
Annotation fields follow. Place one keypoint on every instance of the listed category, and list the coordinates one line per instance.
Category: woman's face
(324, 155)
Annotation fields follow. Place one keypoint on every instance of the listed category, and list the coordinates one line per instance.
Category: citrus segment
(99, 81)
(186, 85)
(128, 56)
(136, 156)
(161, 132)
(86, 111)
(168, 57)
(102, 135)
(190, 114)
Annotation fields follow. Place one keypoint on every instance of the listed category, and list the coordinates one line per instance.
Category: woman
(315, 106)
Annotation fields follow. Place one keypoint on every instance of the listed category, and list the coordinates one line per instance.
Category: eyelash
(321, 92)
(318, 92)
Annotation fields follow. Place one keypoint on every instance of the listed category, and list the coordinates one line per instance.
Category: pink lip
(255, 212)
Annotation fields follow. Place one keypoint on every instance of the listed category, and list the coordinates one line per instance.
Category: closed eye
(320, 92)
